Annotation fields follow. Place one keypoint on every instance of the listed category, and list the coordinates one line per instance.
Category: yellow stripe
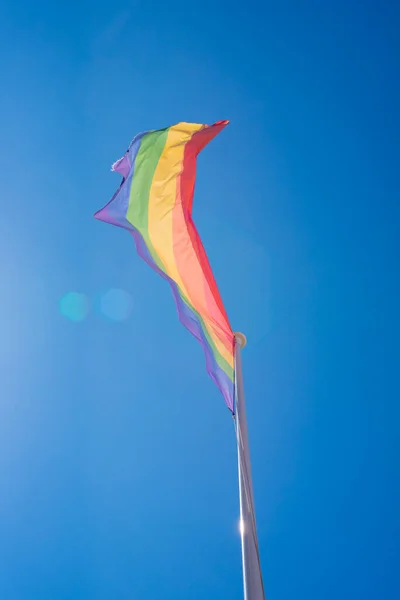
(160, 214)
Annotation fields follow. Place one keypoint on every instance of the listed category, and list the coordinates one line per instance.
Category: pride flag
(154, 203)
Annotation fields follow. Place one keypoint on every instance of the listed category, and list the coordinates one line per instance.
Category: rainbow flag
(154, 203)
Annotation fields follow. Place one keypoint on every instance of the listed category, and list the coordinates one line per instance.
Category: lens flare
(116, 305)
(74, 306)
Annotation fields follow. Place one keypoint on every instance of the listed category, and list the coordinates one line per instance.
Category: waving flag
(154, 203)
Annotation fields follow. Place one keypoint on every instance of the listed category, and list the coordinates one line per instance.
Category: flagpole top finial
(240, 339)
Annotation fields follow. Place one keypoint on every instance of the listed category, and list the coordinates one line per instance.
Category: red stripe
(186, 184)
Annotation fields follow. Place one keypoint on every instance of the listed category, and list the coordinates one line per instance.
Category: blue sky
(117, 455)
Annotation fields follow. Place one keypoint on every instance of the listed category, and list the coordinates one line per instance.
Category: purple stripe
(115, 210)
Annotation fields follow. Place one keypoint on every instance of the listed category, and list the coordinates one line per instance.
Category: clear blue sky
(118, 475)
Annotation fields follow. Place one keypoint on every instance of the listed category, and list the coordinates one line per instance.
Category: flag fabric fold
(154, 203)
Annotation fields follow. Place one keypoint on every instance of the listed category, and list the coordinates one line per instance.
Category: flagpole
(252, 577)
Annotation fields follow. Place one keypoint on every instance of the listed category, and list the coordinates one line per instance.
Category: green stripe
(146, 162)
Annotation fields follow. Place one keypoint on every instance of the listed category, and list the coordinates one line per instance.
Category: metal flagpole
(252, 576)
